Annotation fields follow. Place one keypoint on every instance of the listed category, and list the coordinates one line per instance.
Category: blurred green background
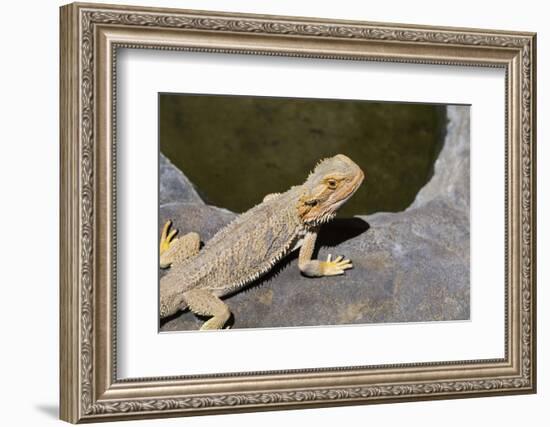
(236, 149)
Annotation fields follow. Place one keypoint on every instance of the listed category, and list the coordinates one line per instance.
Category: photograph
(263, 212)
(292, 212)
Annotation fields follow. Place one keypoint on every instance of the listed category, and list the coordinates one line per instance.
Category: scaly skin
(254, 242)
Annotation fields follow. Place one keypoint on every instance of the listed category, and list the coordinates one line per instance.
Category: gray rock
(174, 185)
(411, 266)
(451, 179)
(199, 217)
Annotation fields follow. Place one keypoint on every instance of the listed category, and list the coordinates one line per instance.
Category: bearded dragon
(250, 245)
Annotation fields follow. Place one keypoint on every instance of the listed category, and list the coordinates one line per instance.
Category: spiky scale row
(244, 250)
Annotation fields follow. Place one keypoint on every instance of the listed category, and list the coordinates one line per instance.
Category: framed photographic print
(265, 212)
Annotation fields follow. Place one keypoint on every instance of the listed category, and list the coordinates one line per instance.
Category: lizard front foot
(167, 241)
(176, 250)
(336, 267)
(167, 237)
(316, 268)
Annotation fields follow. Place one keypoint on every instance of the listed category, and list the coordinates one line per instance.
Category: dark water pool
(236, 149)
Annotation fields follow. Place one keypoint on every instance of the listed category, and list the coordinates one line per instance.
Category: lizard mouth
(321, 212)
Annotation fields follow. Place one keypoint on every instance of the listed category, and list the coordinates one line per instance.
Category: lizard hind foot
(214, 324)
(205, 303)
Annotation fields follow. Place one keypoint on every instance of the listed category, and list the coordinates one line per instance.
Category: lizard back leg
(174, 250)
(205, 303)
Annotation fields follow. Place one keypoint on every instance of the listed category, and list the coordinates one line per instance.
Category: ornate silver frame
(90, 36)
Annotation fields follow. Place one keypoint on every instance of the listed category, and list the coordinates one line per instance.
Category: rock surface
(410, 266)
(174, 185)
(451, 180)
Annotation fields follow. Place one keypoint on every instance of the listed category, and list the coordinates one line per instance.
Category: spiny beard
(322, 219)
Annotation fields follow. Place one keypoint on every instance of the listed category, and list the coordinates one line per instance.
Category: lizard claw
(336, 267)
(167, 236)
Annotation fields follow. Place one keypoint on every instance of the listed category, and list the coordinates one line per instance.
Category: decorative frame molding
(90, 36)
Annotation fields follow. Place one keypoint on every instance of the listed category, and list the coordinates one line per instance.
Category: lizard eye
(331, 184)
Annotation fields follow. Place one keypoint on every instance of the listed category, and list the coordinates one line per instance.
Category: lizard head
(329, 186)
